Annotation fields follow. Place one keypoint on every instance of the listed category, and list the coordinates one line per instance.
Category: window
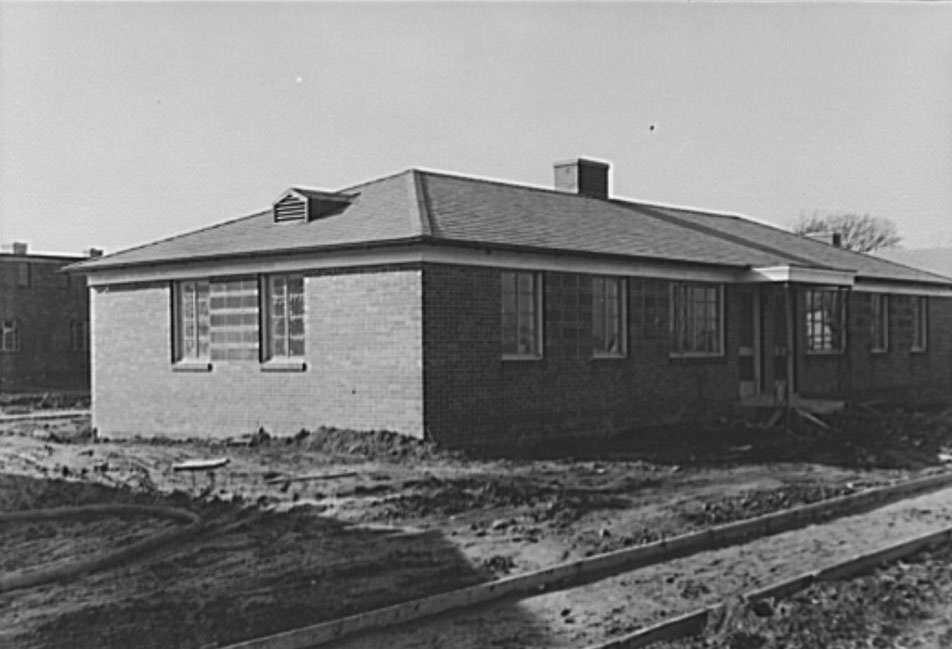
(696, 319)
(286, 316)
(521, 322)
(879, 322)
(193, 324)
(79, 335)
(825, 319)
(23, 274)
(9, 336)
(920, 323)
(608, 316)
(233, 315)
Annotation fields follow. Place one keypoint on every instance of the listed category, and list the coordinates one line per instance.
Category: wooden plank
(204, 464)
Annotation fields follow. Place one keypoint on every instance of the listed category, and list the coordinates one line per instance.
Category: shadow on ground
(251, 574)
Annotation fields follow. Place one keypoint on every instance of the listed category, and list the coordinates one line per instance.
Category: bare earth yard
(410, 522)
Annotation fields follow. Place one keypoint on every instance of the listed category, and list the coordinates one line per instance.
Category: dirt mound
(547, 502)
(372, 445)
(757, 503)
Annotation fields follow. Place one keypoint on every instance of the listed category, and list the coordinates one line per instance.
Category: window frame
(286, 361)
(79, 335)
(11, 327)
(24, 274)
(179, 357)
(920, 324)
(836, 346)
(879, 322)
(675, 338)
(600, 308)
(537, 319)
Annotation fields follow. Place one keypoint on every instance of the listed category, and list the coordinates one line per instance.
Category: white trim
(878, 286)
(290, 262)
(192, 365)
(801, 275)
(303, 261)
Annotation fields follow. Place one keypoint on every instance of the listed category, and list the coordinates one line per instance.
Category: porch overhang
(800, 275)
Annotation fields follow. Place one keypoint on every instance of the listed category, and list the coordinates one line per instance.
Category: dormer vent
(290, 208)
(299, 204)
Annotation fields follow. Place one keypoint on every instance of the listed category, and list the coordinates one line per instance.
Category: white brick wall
(364, 366)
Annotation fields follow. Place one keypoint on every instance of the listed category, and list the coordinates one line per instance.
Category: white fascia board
(874, 286)
(417, 253)
(801, 275)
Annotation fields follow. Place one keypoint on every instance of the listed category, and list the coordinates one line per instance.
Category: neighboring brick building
(44, 323)
(476, 312)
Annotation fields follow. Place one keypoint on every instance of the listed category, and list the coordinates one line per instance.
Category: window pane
(296, 347)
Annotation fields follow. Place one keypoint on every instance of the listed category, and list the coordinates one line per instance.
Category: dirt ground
(906, 604)
(406, 521)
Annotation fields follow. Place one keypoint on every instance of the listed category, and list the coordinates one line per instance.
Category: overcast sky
(123, 123)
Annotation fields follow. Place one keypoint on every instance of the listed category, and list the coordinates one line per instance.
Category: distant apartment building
(44, 322)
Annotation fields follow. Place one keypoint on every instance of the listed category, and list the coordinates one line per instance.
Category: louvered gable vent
(291, 208)
(298, 204)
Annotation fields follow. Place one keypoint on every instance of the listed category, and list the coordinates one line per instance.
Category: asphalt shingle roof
(422, 205)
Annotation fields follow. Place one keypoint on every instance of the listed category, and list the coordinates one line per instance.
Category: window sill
(284, 365)
(919, 350)
(599, 356)
(824, 352)
(878, 351)
(192, 366)
(522, 357)
(696, 355)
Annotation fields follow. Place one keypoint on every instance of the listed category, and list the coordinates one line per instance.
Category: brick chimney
(582, 176)
(831, 238)
(93, 252)
(19, 247)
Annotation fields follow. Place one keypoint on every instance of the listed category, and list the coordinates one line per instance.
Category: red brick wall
(898, 375)
(474, 397)
(363, 365)
(44, 309)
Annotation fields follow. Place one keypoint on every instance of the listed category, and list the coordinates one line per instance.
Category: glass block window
(696, 319)
(233, 314)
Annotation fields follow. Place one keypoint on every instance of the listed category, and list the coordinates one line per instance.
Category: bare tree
(859, 232)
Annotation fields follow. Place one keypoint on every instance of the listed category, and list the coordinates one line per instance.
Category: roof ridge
(419, 219)
(379, 179)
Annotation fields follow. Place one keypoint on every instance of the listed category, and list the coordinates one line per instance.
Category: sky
(124, 123)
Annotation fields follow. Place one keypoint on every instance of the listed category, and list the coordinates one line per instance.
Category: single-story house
(472, 312)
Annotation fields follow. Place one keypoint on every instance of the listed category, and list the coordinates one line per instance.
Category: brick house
(44, 323)
(474, 312)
